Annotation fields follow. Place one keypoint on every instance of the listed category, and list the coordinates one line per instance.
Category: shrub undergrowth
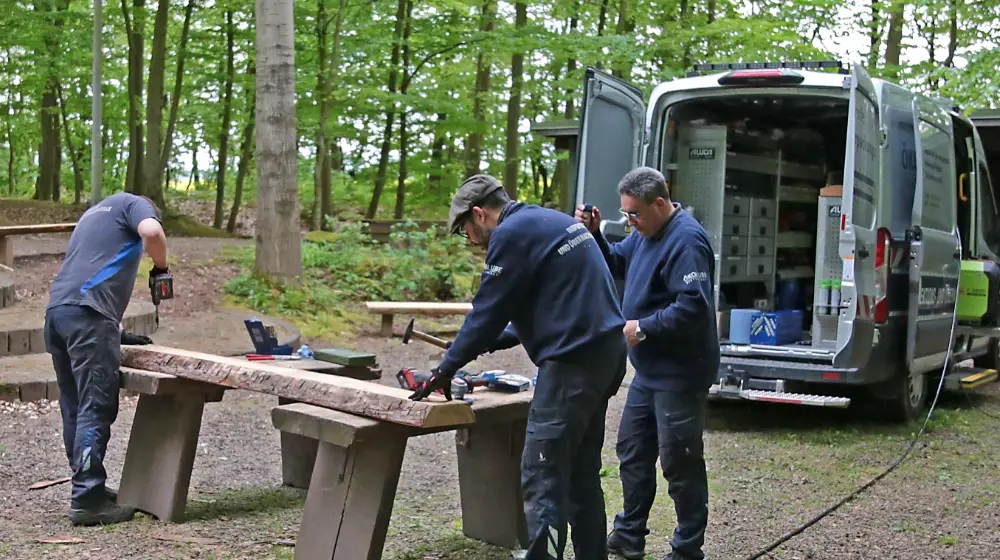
(346, 266)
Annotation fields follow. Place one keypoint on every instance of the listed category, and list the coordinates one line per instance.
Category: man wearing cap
(546, 277)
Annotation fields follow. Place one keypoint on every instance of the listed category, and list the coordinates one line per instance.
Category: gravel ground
(770, 468)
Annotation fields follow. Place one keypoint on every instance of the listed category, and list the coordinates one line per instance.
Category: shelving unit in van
(742, 217)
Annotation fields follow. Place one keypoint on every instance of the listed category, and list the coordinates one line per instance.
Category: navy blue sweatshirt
(669, 290)
(545, 275)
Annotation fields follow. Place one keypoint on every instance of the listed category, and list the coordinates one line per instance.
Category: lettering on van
(934, 297)
(701, 153)
(834, 210)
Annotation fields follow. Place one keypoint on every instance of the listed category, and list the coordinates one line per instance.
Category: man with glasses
(668, 266)
(545, 276)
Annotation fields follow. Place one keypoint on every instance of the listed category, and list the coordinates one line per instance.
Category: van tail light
(883, 256)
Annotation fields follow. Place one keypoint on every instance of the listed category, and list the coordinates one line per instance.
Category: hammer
(429, 339)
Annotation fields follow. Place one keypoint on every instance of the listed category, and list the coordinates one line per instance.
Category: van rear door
(612, 120)
(935, 253)
(856, 327)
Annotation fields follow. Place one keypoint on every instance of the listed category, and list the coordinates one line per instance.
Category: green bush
(346, 265)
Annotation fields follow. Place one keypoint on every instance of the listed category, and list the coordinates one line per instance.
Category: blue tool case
(776, 328)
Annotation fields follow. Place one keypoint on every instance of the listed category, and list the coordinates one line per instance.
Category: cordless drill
(161, 287)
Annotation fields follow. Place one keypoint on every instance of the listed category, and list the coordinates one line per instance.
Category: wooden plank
(6, 251)
(323, 424)
(20, 342)
(433, 308)
(345, 357)
(154, 383)
(37, 228)
(341, 393)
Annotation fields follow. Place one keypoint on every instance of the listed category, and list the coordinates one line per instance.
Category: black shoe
(111, 494)
(107, 513)
(619, 546)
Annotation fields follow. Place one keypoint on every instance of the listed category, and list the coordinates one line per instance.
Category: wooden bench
(164, 438)
(357, 467)
(7, 248)
(387, 309)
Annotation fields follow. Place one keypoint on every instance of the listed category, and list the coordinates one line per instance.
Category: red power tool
(409, 378)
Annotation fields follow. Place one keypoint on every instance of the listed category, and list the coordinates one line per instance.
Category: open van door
(612, 120)
(935, 253)
(856, 326)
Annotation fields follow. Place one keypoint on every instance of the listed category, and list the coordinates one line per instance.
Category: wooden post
(387, 324)
(7, 251)
(350, 500)
(298, 455)
(492, 512)
(160, 455)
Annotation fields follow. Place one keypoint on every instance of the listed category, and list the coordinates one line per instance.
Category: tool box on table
(263, 341)
(776, 328)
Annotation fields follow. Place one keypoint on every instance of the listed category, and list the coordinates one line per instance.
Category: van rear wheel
(909, 397)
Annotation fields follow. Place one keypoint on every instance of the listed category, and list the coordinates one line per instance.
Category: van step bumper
(968, 378)
(730, 392)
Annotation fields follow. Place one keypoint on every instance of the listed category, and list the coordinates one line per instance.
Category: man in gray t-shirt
(86, 304)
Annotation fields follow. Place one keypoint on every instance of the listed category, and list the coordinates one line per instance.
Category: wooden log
(431, 308)
(340, 393)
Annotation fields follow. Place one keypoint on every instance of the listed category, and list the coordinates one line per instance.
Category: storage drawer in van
(735, 225)
(733, 268)
(760, 266)
(762, 208)
(762, 227)
(736, 206)
(761, 246)
(734, 246)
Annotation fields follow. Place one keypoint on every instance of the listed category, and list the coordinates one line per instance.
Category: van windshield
(763, 174)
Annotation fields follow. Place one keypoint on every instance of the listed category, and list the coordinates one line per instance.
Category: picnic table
(7, 248)
(351, 476)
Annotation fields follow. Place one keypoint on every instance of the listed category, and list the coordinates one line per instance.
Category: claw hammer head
(408, 333)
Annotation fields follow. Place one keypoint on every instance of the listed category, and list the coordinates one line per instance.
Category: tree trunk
(437, 155)
(571, 63)
(474, 147)
(246, 156)
(326, 202)
(73, 153)
(626, 24)
(152, 172)
(949, 61)
(227, 113)
(875, 34)
(175, 101)
(278, 242)
(602, 19)
(136, 58)
(894, 41)
(390, 112)
(11, 180)
(50, 150)
(403, 146)
(514, 108)
(322, 172)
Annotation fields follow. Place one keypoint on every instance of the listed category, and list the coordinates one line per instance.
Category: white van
(849, 199)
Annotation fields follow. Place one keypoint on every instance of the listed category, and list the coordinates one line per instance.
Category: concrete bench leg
(386, 325)
(298, 455)
(493, 512)
(350, 500)
(7, 251)
(160, 455)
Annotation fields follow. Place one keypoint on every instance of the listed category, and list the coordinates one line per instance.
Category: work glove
(437, 381)
(135, 339)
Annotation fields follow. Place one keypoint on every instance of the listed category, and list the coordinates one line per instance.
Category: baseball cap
(472, 193)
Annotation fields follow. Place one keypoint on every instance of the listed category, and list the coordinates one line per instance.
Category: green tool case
(979, 294)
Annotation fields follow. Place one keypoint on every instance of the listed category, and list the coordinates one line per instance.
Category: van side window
(989, 211)
(939, 185)
(903, 163)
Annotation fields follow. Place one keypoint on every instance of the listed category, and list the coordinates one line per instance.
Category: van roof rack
(699, 69)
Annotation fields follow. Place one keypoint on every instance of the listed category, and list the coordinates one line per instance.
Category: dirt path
(770, 468)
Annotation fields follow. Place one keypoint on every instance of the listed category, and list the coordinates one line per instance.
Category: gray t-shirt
(103, 256)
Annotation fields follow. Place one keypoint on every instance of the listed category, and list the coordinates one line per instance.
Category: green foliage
(345, 267)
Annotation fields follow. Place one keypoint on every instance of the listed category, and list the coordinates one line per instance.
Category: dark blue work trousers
(667, 425)
(561, 462)
(86, 352)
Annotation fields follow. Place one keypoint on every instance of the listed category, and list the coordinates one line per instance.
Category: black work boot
(618, 545)
(106, 513)
(111, 494)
